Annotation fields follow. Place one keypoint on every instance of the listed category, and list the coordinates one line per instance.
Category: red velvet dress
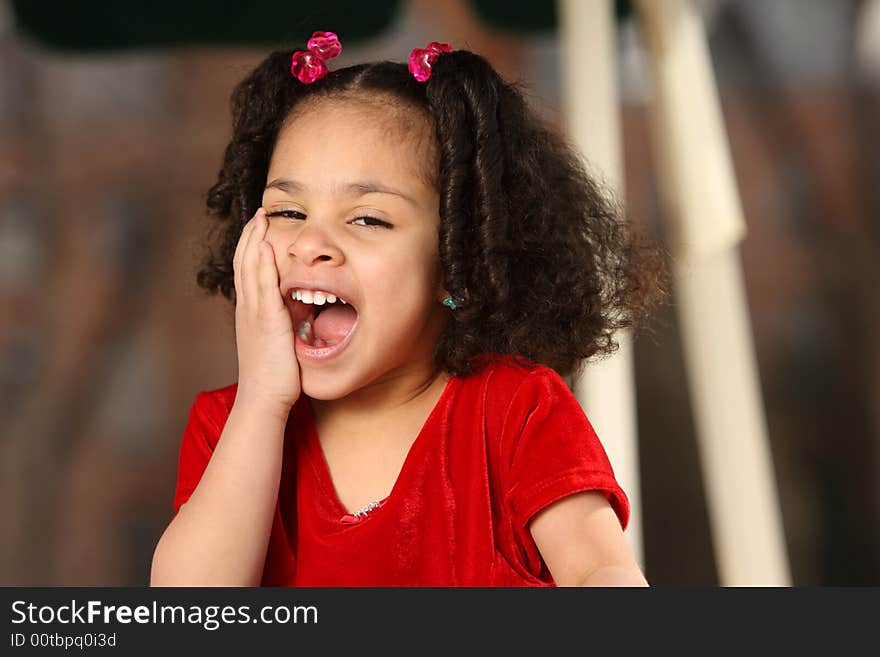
(498, 446)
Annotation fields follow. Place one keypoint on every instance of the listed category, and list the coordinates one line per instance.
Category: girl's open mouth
(322, 331)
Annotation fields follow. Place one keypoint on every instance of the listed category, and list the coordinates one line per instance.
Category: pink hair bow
(308, 65)
(421, 59)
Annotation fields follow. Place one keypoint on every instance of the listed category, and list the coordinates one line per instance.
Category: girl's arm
(220, 536)
(580, 539)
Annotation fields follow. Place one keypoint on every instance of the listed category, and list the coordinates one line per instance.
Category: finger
(250, 259)
(247, 258)
(242, 240)
(268, 277)
(240, 248)
(237, 260)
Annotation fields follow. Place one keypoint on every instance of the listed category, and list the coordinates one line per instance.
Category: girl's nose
(312, 245)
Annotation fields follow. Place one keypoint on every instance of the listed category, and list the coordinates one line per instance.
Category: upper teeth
(315, 296)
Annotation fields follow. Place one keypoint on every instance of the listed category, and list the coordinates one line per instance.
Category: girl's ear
(441, 292)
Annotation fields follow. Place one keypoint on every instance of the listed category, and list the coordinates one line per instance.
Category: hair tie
(308, 65)
(421, 59)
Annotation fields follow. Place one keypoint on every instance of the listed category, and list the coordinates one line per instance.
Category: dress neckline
(341, 514)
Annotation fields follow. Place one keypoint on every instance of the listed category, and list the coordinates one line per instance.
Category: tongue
(333, 324)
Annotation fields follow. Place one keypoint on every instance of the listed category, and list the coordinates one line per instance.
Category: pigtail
(259, 104)
(466, 97)
(550, 270)
(461, 98)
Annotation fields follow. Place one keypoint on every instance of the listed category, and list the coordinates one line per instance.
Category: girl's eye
(374, 222)
(369, 222)
(287, 214)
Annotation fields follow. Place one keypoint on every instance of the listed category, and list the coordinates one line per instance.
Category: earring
(451, 303)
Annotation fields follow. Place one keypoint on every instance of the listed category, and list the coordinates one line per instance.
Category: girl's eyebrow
(359, 188)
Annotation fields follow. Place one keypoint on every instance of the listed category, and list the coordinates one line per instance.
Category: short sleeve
(552, 451)
(206, 418)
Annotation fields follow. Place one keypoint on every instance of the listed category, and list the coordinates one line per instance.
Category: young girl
(415, 261)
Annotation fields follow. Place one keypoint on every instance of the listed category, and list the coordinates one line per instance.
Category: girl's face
(351, 212)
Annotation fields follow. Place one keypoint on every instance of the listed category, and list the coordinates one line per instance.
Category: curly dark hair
(546, 266)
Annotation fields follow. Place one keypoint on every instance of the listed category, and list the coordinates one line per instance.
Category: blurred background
(110, 136)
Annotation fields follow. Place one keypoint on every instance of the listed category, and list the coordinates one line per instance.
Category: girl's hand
(268, 372)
